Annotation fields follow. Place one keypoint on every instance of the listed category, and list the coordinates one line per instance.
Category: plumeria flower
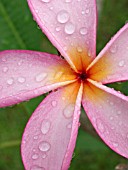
(50, 135)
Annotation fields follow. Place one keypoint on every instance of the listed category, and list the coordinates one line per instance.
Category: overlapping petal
(27, 74)
(111, 65)
(50, 135)
(71, 27)
(108, 112)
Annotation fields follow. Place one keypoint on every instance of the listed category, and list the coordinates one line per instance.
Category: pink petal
(27, 74)
(111, 65)
(70, 26)
(108, 112)
(49, 138)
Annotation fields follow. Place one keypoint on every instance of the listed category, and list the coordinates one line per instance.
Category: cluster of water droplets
(44, 146)
(113, 50)
(65, 24)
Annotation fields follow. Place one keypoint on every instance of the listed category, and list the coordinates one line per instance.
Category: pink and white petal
(27, 74)
(108, 113)
(70, 26)
(50, 135)
(111, 65)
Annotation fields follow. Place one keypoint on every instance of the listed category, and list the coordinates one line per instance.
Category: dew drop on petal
(44, 146)
(62, 16)
(45, 126)
(100, 125)
(36, 10)
(68, 111)
(35, 137)
(4, 59)
(87, 11)
(79, 49)
(115, 144)
(35, 156)
(69, 28)
(44, 155)
(41, 77)
(5, 69)
(111, 103)
(111, 118)
(20, 63)
(54, 103)
(120, 123)
(1, 87)
(83, 31)
(35, 167)
(10, 81)
(68, 1)
(118, 112)
(121, 63)
(21, 79)
(69, 126)
(65, 48)
(58, 29)
(113, 49)
(45, 0)
(83, 12)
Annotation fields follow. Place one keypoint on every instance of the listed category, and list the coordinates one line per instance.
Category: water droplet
(111, 103)
(24, 141)
(20, 62)
(121, 63)
(44, 146)
(69, 28)
(51, 7)
(21, 79)
(63, 16)
(34, 150)
(65, 48)
(45, 0)
(68, 111)
(87, 11)
(113, 49)
(44, 155)
(5, 69)
(112, 127)
(127, 135)
(45, 127)
(100, 125)
(68, 1)
(36, 10)
(58, 29)
(111, 118)
(35, 156)
(35, 167)
(10, 81)
(83, 31)
(115, 144)
(83, 12)
(1, 87)
(54, 103)
(41, 77)
(4, 59)
(69, 126)
(58, 74)
(119, 112)
(120, 123)
(79, 49)
(36, 137)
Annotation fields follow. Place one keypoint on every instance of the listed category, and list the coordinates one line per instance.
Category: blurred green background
(19, 31)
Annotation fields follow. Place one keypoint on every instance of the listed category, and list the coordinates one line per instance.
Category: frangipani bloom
(50, 135)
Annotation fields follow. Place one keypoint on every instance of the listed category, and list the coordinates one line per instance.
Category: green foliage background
(19, 31)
